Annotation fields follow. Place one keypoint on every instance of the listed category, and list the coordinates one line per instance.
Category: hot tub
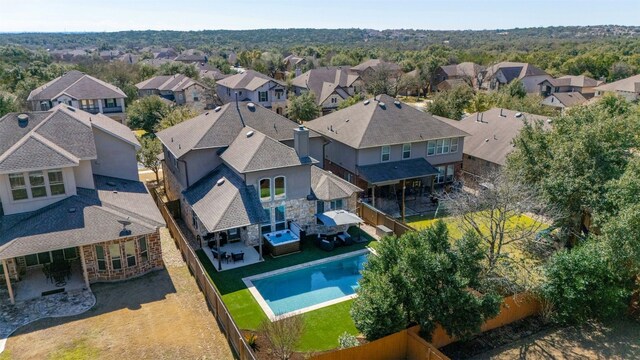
(282, 242)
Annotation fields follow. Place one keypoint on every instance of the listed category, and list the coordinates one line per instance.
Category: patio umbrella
(339, 217)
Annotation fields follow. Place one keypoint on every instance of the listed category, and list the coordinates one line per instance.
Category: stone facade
(251, 236)
(12, 267)
(154, 261)
(172, 187)
(302, 211)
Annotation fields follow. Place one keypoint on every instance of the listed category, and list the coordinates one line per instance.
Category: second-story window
(454, 145)
(385, 153)
(265, 189)
(38, 187)
(406, 151)
(431, 147)
(18, 187)
(263, 96)
(110, 103)
(56, 182)
(279, 187)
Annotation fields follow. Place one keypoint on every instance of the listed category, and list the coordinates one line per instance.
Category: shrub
(347, 340)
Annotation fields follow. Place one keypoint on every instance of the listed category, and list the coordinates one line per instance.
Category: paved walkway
(13, 317)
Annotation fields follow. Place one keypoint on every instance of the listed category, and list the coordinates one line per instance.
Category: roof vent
(396, 103)
(249, 133)
(71, 109)
(251, 105)
(486, 140)
(217, 108)
(71, 210)
(382, 105)
(366, 102)
(111, 183)
(23, 120)
(207, 113)
(346, 120)
(518, 114)
(549, 121)
(220, 182)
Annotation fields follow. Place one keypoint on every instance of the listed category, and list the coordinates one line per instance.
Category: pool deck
(251, 256)
(248, 281)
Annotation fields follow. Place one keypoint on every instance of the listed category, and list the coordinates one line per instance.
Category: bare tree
(283, 334)
(508, 217)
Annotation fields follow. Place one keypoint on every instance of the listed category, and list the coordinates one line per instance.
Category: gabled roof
(90, 217)
(462, 69)
(492, 139)
(370, 124)
(177, 82)
(576, 81)
(293, 59)
(157, 62)
(323, 81)
(77, 85)
(327, 186)
(254, 151)
(514, 70)
(374, 63)
(215, 129)
(394, 171)
(222, 201)
(249, 80)
(59, 137)
(191, 57)
(630, 84)
(568, 99)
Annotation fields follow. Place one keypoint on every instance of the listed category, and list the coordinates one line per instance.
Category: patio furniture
(344, 239)
(327, 244)
(237, 256)
(219, 256)
(60, 272)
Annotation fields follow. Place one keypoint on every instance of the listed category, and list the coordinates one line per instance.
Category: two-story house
(500, 74)
(629, 88)
(255, 87)
(366, 68)
(448, 76)
(72, 209)
(329, 85)
(178, 88)
(246, 172)
(570, 84)
(82, 92)
(390, 149)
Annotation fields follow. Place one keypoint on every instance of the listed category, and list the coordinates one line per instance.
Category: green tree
(7, 103)
(394, 291)
(148, 154)
(146, 113)
(175, 116)
(451, 103)
(303, 107)
(351, 100)
(381, 80)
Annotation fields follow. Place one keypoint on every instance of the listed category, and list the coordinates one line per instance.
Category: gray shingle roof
(374, 63)
(492, 138)
(514, 70)
(396, 170)
(462, 69)
(577, 81)
(93, 219)
(254, 151)
(226, 205)
(327, 186)
(177, 82)
(323, 81)
(248, 80)
(77, 85)
(569, 99)
(630, 84)
(35, 153)
(369, 124)
(215, 129)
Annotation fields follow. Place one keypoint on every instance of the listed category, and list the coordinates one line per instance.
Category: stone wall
(172, 187)
(154, 261)
(302, 211)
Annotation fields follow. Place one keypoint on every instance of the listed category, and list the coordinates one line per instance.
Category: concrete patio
(251, 256)
(34, 283)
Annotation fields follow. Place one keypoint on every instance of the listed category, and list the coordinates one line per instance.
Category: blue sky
(115, 15)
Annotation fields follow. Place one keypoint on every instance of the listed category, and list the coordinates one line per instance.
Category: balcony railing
(91, 110)
(112, 109)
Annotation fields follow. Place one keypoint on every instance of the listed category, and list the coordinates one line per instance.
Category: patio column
(404, 187)
(85, 273)
(373, 196)
(8, 280)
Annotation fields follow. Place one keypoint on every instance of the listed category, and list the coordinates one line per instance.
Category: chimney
(301, 141)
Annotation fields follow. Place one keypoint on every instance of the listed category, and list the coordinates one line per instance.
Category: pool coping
(248, 281)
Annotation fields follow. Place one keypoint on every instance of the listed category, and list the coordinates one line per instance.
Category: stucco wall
(13, 207)
(84, 175)
(298, 180)
(116, 157)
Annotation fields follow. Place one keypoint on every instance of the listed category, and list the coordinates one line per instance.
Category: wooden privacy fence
(211, 294)
(375, 217)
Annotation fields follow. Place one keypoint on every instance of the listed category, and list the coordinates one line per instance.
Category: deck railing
(211, 294)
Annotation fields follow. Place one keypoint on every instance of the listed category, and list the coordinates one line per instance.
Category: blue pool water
(312, 285)
(281, 237)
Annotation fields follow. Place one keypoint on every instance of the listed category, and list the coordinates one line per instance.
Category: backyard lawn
(322, 326)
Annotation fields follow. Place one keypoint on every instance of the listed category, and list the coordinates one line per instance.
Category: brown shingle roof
(630, 84)
(249, 80)
(177, 82)
(77, 85)
(324, 81)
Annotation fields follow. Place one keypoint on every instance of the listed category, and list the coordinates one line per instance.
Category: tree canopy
(303, 107)
(146, 113)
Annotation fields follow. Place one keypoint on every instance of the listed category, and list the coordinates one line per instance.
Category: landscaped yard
(322, 326)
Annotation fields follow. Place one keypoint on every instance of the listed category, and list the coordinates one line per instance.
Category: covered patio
(226, 262)
(35, 283)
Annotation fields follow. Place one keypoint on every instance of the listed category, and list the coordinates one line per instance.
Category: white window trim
(434, 147)
(47, 185)
(273, 182)
(265, 199)
(382, 153)
(442, 146)
(403, 151)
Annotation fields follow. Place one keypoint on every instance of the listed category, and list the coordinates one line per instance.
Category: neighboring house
(329, 85)
(178, 88)
(160, 53)
(72, 203)
(81, 91)
(492, 134)
(365, 69)
(500, 74)
(156, 63)
(191, 58)
(130, 58)
(293, 62)
(108, 55)
(410, 84)
(70, 55)
(246, 171)
(628, 88)
(255, 87)
(448, 76)
(208, 71)
(563, 100)
(569, 84)
(383, 145)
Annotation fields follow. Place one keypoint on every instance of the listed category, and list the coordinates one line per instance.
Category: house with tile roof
(503, 73)
(245, 172)
(629, 88)
(570, 84)
(389, 148)
(73, 211)
(179, 88)
(81, 91)
(255, 87)
(329, 85)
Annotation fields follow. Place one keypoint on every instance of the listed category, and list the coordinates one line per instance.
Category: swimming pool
(308, 286)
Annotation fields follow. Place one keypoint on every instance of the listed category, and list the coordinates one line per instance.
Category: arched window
(265, 189)
(280, 187)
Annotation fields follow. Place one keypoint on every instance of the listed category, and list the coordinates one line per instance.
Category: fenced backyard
(213, 297)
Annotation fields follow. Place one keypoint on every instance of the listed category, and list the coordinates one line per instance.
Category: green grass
(322, 326)
(78, 350)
